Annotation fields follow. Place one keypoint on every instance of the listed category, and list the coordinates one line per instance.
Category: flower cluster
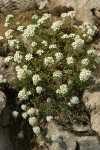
(52, 67)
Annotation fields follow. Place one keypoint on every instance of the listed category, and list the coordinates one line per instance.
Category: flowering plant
(53, 65)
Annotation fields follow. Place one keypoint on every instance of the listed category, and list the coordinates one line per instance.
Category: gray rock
(88, 143)
(82, 8)
(5, 142)
(68, 140)
(2, 101)
(92, 102)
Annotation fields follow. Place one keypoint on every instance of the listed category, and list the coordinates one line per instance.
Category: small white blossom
(44, 43)
(2, 80)
(53, 46)
(74, 100)
(21, 135)
(85, 61)
(36, 130)
(13, 43)
(65, 36)
(8, 59)
(23, 107)
(23, 94)
(64, 15)
(32, 121)
(39, 89)
(33, 44)
(49, 100)
(56, 25)
(40, 52)
(20, 28)
(28, 57)
(31, 111)
(49, 118)
(1, 38)
(59, 56)
(48, 61)
(63, 89)
(36, 78)
(8, 34)
(24, 115)
(18, 57)
(8, 19)
(91, 52)
(85, 74)
(35, 17)
(70, 60)
(15, 114)
(79, 43)
(57, 74)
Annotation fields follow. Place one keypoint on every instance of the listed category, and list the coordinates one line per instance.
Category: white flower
(40, 52)
(59, 56)
(8, 34)
(23, 72)
(65, 36)
(85, 74)
(24, 115)
(49, 118)
(20, 28)
(15, 114)
(53, 46)
(29, 31)
(64, 15)
(71, 14)
(55, 137)
(36, 78)
(70, 60)
(18, 57)
(91, 52)
(21, 135)
(63, 89)
(33, 44)
(74, 100)
(49, 100)
(31, 111)
(14, 43)
(39, 89)
(1, 38)
(57, 74)
(85, 61)
(48, 61)
(23, 107)
(35, 17)
(56, 25)
(8, 59)
(44, 43)
(2, 80)
(32, 121)
(23, 94)
(28, 56)
(79, 43)
(8, 19)
(36, 130)
(44, 18)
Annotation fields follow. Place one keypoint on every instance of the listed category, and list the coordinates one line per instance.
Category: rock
(17, 6)
(68, 140)
(5, 142)
(97, 13)
(82, 8)
(2, 101)
(88, 143)
(80, 128)
(92, 101)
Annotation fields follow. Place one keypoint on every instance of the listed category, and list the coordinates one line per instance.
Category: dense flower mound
(53, 66)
